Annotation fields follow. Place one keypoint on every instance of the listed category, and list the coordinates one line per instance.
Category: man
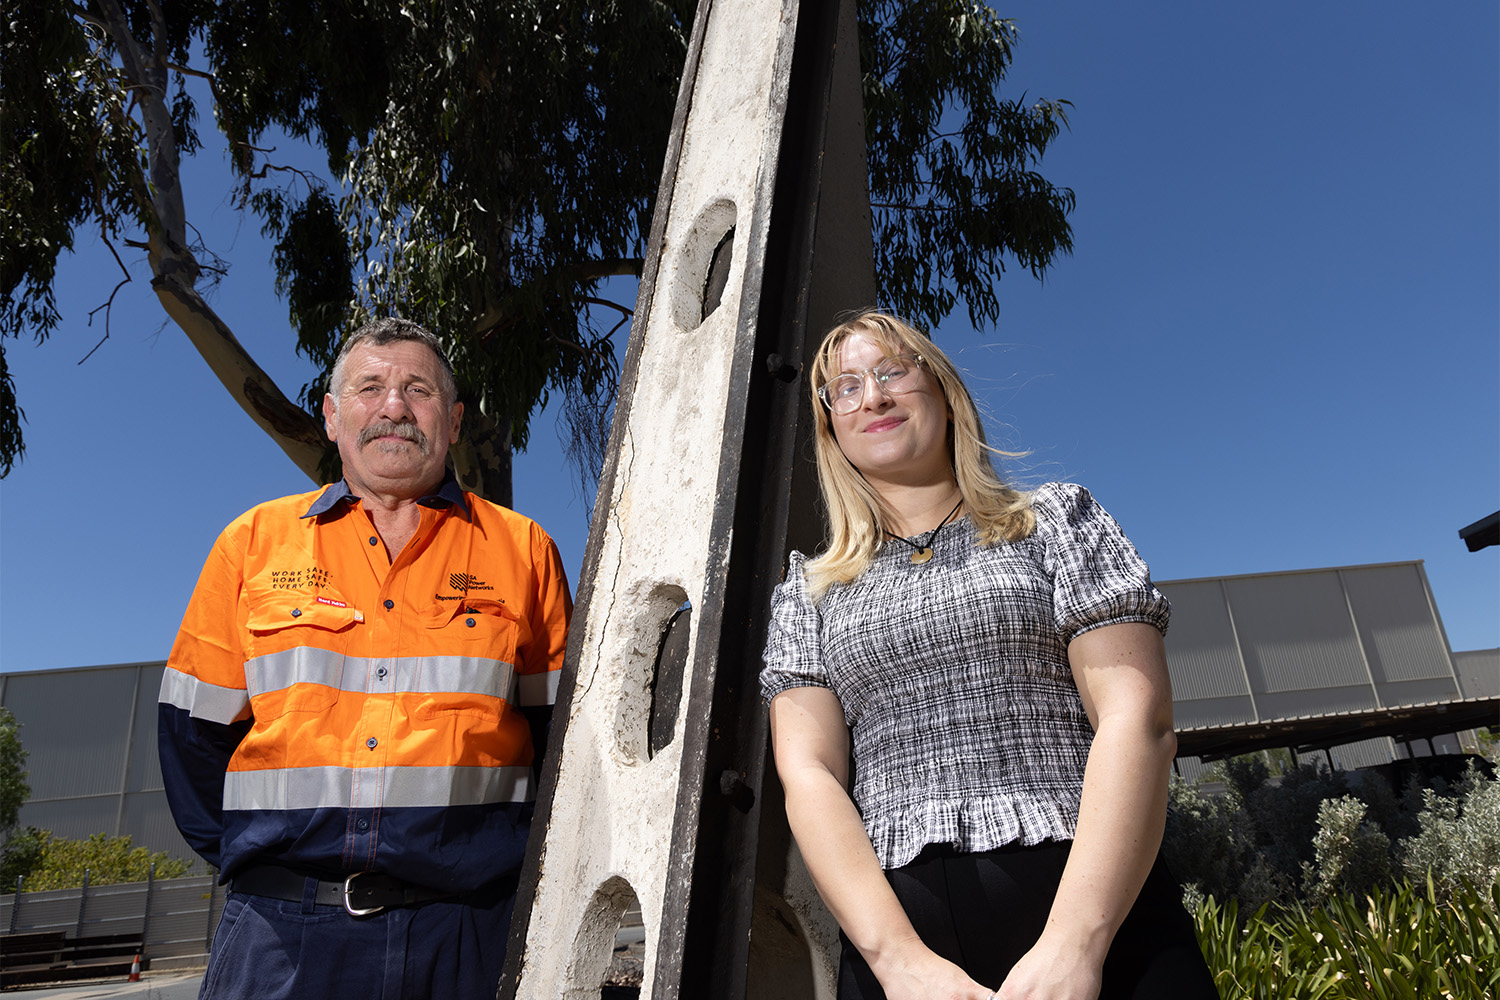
(348, 713)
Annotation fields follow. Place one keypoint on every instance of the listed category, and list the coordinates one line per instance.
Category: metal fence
(175, 917)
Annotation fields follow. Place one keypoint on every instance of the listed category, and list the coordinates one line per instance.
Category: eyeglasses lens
(894, 376)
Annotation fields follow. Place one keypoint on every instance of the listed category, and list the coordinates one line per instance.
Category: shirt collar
(448, 494)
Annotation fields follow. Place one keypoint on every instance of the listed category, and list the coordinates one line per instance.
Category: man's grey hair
(378, 333)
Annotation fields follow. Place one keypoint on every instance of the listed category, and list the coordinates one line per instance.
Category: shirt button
(372, 743)
(362, 825)
(380, 672)
(389, 605)
(469, 622)
(296, 612)
(373, 539)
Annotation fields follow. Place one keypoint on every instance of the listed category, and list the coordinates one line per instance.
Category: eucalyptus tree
(489, 165)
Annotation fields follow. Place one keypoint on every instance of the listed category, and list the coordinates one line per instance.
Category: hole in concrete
(656, 652)
(666, 678)
(702, 265)
(781, 957)
(609, 951)
(718, 274)
(627, 965)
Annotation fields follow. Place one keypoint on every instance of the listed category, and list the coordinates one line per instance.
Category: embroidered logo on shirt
(463, 581)
(331, 601)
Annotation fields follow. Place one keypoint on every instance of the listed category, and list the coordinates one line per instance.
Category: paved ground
(626, 969)
(153, 986)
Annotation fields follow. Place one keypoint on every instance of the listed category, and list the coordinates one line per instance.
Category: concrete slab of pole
(656, 790)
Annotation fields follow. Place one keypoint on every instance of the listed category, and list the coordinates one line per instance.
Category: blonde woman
(996, 660)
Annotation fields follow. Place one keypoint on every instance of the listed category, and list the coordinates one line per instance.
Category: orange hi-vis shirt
(334, 710)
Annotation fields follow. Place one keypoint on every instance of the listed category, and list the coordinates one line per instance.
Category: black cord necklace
(922, 553)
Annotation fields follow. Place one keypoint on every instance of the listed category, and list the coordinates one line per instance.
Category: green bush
(1310, 834)
(1352, 856)
(1203, 843)
(1459, 839)
(20, 856)
(1398, 944)
(48, 862)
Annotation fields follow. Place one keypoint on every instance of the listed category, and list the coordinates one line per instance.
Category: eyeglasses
(894, 376)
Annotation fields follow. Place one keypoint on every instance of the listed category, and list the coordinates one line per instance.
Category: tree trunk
(174, 268)
(482, 457)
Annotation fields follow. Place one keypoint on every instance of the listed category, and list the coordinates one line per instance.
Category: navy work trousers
(271, 949)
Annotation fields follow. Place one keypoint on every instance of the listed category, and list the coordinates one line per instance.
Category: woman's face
(892, 439)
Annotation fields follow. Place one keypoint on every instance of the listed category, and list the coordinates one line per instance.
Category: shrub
(21, 855)
(1352, 856)
(1310, 834)
(56, 863)
(1459, 840)
(1201, 844)
(1284, 816)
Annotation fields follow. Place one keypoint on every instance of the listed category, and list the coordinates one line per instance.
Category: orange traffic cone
(135, 969)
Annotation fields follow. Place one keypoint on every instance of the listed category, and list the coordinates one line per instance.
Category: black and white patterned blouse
(953, 674)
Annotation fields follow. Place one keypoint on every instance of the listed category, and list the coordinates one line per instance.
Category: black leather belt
(362, 894)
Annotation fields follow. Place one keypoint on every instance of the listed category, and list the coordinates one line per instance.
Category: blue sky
(1276, 346)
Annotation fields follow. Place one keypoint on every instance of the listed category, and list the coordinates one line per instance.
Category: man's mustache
(388, 428)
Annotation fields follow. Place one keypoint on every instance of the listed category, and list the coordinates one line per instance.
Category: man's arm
(204, 708)
(541, 663)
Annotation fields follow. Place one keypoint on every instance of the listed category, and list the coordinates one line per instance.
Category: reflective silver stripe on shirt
(539, 689)
(375, 787)
(203, 700)
(415, 674)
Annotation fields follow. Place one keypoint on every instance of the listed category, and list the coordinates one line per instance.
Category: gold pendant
(921, 555)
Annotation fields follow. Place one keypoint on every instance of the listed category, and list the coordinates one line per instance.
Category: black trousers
(984, 911)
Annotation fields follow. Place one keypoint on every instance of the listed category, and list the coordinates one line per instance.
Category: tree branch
(175, 270)
(607, 267)
(109, 308)
(606, 302)
(189, 71)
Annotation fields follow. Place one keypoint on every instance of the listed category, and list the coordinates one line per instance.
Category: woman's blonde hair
(857, 517)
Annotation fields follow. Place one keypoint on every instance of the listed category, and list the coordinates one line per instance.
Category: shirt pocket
(297, 646)
(469, 669)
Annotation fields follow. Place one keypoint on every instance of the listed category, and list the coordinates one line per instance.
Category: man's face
(390, 420)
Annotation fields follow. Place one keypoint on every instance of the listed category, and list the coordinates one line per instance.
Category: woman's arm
(811, 744)
(1121, 672)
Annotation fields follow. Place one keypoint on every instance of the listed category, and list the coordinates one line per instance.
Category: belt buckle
(357, 911)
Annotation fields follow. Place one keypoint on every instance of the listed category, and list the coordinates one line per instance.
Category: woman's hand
(918, 973)
(1050, 971)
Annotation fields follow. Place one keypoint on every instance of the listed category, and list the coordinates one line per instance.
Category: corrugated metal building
(1351, 661)
(93, 768)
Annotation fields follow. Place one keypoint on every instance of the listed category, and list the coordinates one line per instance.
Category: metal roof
(1317, 658)
(1318, 732)
(1482, 533)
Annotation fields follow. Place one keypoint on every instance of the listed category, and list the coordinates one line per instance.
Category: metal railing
(175, 917)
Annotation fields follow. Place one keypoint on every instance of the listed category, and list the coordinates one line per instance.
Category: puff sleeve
(1098, 577)
(794, 650)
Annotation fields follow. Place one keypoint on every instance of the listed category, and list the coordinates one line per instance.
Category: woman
(997, 659)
